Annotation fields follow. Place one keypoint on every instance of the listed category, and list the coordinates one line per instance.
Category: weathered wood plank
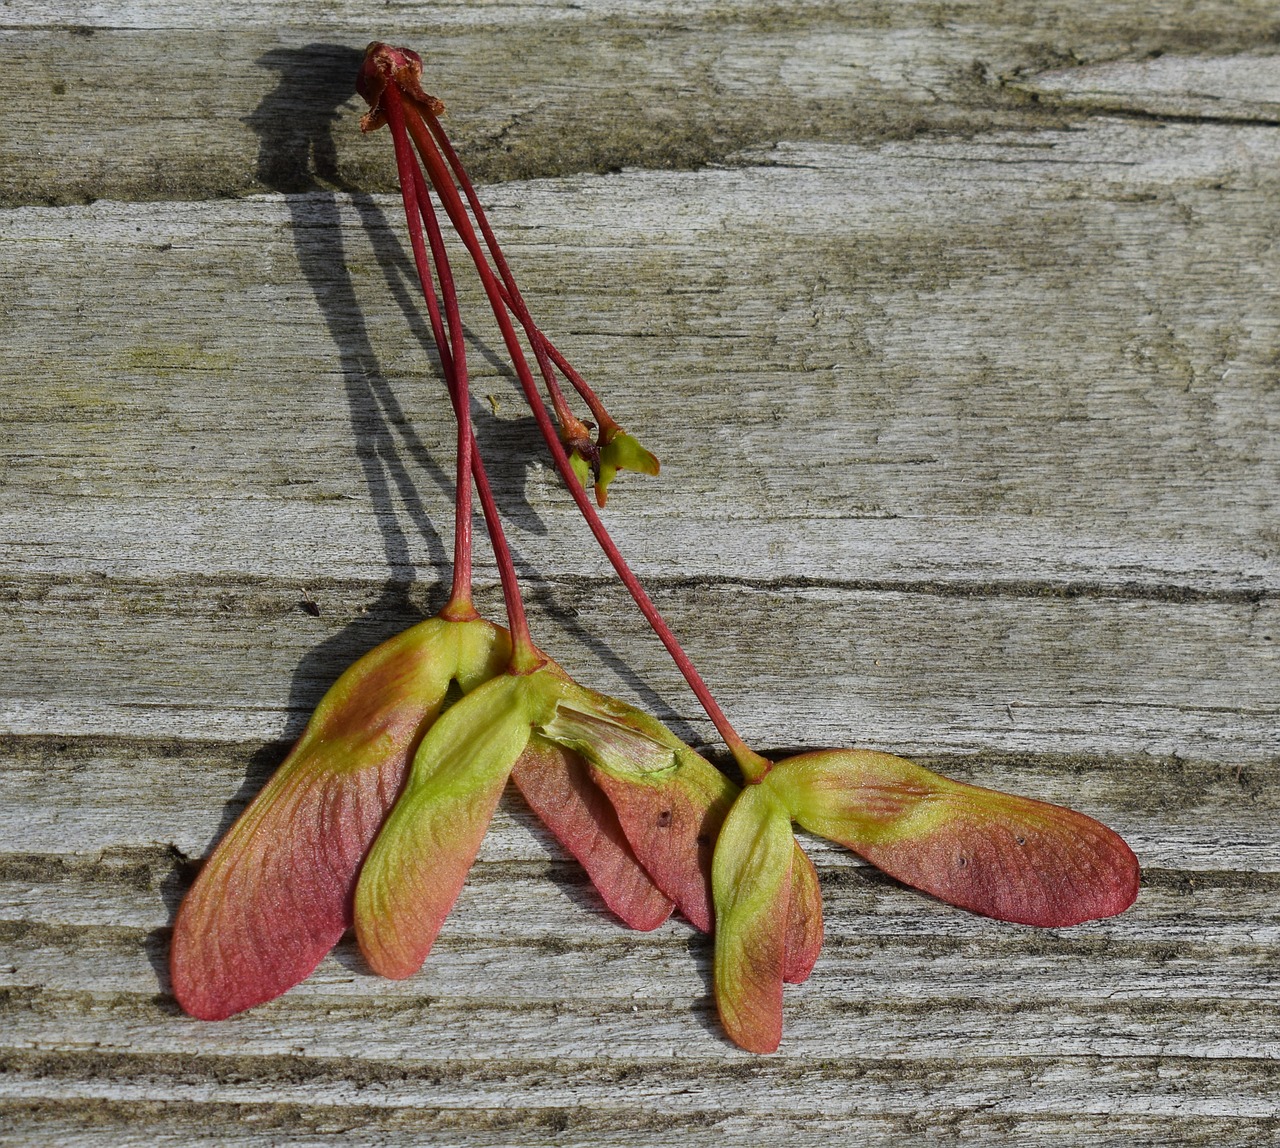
(144, 1123)
(966, 401)
(175, 101)
(1146, 450)
(229, 661)
(1243, 88)
(573, 1023)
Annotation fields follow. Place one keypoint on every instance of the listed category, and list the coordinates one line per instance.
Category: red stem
(602, 416)
(525, 656)
(751, 763)
(419, 210)
(452, 351)
(516, 300)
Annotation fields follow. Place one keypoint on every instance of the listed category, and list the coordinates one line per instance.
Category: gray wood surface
(957, 329)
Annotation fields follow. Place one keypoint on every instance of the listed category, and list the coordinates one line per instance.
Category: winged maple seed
(379, 812)
(275, 896)
(991, 853)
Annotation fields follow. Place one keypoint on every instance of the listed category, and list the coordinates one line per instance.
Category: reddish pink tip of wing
(557, 787)
(1019, 860)
(275, 896)
(673, 835)
(757, 1028)
(804, 920)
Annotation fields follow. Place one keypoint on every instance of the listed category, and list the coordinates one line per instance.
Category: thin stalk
(515, 300)
(468, 452)
(461, 606)
(603, 419)
(525, 656)
(567, 419)
(443, 183)
(419, 210)
(752, 764)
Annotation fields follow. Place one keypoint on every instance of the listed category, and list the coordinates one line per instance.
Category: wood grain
(956, 329)
(175, 100)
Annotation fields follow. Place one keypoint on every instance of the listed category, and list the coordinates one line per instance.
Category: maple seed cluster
(377, 814)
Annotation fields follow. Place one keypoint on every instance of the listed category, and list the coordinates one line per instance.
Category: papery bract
(622, 452)
(275, 895)
(616, 451)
